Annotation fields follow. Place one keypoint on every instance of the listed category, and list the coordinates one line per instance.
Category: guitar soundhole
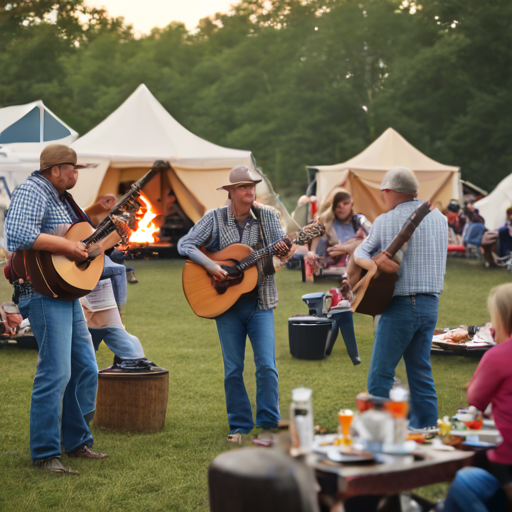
(83, 265)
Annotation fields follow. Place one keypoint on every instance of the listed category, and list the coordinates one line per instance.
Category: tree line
(297, 82)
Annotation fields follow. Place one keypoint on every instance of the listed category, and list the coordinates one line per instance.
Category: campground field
(168, 470)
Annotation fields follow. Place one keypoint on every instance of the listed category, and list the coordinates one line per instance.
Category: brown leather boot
(86, 453)
(130, 276)
(54, 465)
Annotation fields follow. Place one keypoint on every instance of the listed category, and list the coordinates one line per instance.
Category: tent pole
(41, 123)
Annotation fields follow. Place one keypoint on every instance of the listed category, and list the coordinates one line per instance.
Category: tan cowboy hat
(58, 154)
(240, 175)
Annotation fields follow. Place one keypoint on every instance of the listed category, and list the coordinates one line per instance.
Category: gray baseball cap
(400, 179)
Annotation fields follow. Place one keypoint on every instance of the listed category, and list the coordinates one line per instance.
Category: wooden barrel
(134, 402)
(256, 479)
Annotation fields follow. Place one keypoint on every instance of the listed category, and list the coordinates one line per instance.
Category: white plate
(399, 449)
(335, 455)
(322, 444)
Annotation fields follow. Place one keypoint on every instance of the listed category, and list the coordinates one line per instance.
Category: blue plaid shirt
(218, 229)
(424, 261)
(36, 207)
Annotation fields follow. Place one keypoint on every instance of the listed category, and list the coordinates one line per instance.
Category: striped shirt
(218, 229)
(424, 260)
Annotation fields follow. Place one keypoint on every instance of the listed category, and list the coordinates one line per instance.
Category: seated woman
(485, 487)
(344, 231)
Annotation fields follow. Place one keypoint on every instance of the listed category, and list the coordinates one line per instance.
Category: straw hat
(241, 175)
(57, 154)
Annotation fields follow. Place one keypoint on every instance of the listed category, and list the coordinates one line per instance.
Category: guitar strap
(267, 263)
(81, 215)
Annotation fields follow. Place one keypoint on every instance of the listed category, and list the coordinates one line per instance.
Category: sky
(146, 14)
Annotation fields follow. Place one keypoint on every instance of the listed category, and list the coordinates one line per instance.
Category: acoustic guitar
(208, 297)
(376, 284)
(57, 276)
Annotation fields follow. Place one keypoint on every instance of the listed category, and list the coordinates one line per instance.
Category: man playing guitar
(255, 225)
(408, 322)
(66, 378)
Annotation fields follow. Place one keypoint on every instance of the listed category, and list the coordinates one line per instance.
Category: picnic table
(340, 482)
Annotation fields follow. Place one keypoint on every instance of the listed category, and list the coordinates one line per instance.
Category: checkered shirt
(35, 208)
(424, 261)
(218, 229)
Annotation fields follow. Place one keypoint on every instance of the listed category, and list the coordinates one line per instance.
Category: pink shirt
(492, 383)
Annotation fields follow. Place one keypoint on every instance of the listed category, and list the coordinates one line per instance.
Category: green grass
(168, 470)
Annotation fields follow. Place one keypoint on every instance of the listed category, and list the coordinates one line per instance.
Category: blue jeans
(345, 323)
(122, 343)
(66, 377)
(246, 318)
(475, 490)
(117, 274)
(406, 329)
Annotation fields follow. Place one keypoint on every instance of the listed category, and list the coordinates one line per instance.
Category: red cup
(474, 425)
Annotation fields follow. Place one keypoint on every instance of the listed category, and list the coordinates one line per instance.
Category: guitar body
(375, 295)
(203, 298)
(375, 284)
(59, 277)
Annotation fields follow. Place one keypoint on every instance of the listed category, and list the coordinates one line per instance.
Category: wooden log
(133, 402)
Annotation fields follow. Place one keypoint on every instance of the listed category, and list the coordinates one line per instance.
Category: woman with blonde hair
(475, 489)
(344, 231)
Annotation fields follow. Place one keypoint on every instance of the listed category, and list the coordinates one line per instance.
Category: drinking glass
(345, 416)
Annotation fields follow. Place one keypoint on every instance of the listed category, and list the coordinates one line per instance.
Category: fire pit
(148, 240)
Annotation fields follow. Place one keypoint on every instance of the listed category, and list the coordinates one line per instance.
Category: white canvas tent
(363, 174)
(24, 131)
(493, 207)
(123, 147)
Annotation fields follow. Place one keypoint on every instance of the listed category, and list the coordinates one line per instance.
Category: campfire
(146, 229)
(151, 237)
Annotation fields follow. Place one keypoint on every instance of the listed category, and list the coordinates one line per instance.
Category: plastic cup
(345, 417)
(474, 424)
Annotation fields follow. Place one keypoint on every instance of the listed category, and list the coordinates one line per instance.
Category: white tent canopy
(363, 174)
(140, 131)
(493, 207)
(123, 147)
(24, 131)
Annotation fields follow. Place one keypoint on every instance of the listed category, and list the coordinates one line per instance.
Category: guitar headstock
(307, 233)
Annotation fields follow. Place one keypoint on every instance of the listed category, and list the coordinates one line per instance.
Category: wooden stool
(135, 402)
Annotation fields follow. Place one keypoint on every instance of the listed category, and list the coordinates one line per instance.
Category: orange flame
(146, 229)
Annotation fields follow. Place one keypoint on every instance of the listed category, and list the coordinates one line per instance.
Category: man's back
(424, 260)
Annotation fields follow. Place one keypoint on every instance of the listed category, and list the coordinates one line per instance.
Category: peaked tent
(24, 131)
(363, 174)
(493, 207)
(123, 147)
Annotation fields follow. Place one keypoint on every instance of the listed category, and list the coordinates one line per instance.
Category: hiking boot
(86, 453)
(54, 465)
(130, 276)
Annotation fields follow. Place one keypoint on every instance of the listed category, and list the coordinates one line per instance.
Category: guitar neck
(255, 256)
(127, 203)
(105, 228)
(307, 233)
(408, 228)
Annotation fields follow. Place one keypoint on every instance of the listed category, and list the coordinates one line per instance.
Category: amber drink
(345, 416)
